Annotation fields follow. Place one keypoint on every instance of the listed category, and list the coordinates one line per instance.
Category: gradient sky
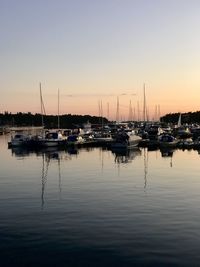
(96, 50)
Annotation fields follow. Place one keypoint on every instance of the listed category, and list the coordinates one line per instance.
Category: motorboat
(52, 139)
(167, 140)
(19, 139)
(126, 140)
(103, 137)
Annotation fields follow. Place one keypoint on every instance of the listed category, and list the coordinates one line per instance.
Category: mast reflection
(145, 151)
(49, 156)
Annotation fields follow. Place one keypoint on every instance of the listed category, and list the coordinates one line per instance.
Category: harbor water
(96, 207)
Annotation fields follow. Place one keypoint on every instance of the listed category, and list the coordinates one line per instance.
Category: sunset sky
(96, 50)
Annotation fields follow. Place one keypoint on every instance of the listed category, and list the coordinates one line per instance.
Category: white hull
(52, 139)
(131, 143)
(50, 143)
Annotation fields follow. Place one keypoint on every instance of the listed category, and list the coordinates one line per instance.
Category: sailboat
(179, 121)
(182, 131)
(53, 138)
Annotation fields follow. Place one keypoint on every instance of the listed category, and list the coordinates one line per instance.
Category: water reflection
(45, 167)
(121, 156)
(20, 152)
(125, 155)
(167, 153)
(100, 216)
(47, 155)
(52, 152)
(145, 151)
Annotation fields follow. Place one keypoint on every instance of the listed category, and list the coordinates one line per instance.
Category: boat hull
(132, 143)
(51, 143)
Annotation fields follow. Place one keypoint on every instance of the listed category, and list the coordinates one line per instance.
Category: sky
(96, 51)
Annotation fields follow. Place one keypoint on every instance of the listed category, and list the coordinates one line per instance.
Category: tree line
(50, 121)
(74, 121)
(188, 117)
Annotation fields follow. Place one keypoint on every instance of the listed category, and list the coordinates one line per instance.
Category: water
(92, 207)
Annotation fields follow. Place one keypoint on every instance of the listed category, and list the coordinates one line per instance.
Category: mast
(42, 105)
(138, 110)
(58, 109)
(130, 115)
(99, 106)
(117, 114)
(158, 112)
(43, 112)
(108, 111)
(101, 116)
(144, 105)
(134, 114)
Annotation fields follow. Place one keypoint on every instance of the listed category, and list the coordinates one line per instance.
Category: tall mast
(108, 111)
(134, 114)
(101, 115)
(41, 105)
(144, 105)
(130, 114)
(138, 111)
(158, 112)
(99, 106)
(43, 112)
(117, 114)
(58, 109)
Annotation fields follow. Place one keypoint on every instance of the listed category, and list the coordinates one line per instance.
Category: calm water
(98, 208)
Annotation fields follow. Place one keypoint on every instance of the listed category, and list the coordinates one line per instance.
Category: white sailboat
(53, 138)
(179, 121)
(182, 131)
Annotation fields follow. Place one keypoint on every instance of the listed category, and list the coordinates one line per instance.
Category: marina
(100, 133)
(124, 135)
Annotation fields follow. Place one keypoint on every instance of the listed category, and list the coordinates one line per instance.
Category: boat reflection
(20, 152)
(125, 155)
(52, 152)
(167, 153)
(48, 156)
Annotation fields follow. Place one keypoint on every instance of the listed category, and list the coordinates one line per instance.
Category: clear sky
(96, 50)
